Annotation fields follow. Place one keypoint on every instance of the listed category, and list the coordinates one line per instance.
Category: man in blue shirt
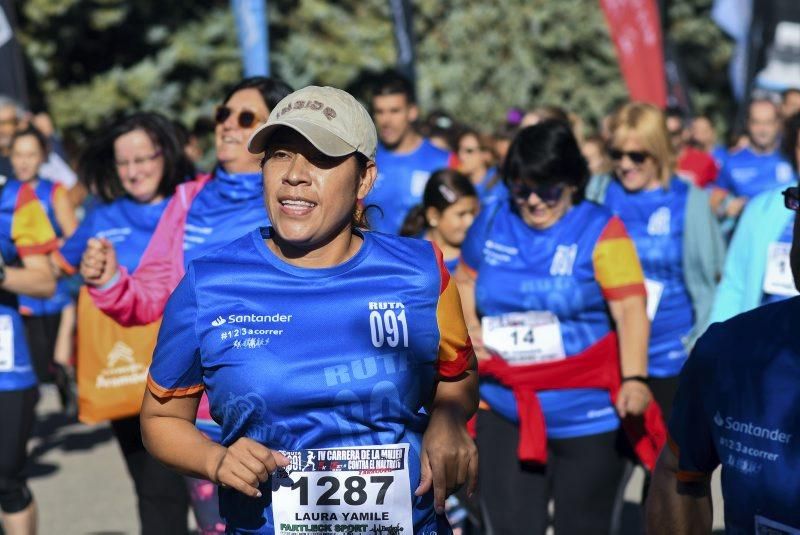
(405, 159)
(757, 167)
(736, 406)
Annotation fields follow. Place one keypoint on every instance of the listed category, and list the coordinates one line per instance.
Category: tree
(95, 59)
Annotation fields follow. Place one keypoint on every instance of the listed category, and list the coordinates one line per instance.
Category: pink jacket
(140, 298)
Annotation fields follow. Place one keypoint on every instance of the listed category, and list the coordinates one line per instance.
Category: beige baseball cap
(331, 119)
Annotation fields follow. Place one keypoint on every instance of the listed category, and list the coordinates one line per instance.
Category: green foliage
(95, 59)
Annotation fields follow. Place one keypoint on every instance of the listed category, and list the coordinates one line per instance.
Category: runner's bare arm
(633, 329)
(169, 434)
(465, 280)
(674, 507)
(449, 457)
(35, 278)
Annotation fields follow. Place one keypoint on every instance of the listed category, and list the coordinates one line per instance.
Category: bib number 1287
(354, 490)
(359, 489)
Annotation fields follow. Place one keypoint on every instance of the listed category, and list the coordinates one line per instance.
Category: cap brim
(324, 140)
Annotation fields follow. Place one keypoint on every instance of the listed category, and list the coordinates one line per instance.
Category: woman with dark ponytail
(449, 205)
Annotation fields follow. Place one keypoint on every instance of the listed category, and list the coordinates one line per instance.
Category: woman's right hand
(99, 262)
(244, 465)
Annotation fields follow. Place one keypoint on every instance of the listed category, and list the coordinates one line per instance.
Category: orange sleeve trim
(473, 273)
(444, 275)
(62, 263)
(39, 248)
(621, 292)
(615, 228)
(685, 476)
(161, 392)
(454, 368)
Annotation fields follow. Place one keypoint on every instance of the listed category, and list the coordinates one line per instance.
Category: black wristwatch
(637, 378)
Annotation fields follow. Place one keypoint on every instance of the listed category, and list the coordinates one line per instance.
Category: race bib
(778, 278)
(6, 343)
(363, 489)
(524, 337)
(765, 526)
(654, 291)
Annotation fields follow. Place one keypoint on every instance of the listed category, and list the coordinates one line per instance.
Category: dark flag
(403, 17)
(12, 73)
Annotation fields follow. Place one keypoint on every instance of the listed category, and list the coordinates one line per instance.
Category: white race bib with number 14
(524, 337)
(362, 489)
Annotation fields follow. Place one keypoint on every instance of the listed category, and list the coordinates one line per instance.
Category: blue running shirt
(498, 192)
(24, 230)
(656, 221)
(570, 270)
(227, 207)
(300, 358)
(747, 174)
(736, 406)
(125, 223)
(401, 182)
(47, 191)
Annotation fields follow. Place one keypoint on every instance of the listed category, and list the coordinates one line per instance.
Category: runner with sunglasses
(676, 235)
(736, 407)
(554, 299)
(204, 214)
(757, 267)
(319, 344)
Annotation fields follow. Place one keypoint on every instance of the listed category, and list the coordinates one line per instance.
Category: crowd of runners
(363, 320)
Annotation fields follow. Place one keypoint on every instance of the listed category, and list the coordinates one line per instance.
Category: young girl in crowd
(449, 205)
(49, 322)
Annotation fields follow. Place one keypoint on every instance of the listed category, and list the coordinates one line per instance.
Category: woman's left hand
(633, 398)
(449, 457)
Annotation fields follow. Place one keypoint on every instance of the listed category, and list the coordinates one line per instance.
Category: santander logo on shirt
(749, 428)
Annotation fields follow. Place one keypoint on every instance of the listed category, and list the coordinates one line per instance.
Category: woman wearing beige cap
(335, 360)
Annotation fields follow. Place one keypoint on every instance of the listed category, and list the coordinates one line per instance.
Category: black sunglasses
(550, 195)
(246, 118)
(636, 156)
(791, 198)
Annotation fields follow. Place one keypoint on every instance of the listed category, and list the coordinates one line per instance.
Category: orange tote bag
(112, 363)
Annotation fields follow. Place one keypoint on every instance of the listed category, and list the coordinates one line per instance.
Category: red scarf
(596, 367)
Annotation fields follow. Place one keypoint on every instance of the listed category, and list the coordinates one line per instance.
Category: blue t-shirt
(720, 155)
(401, 182)
(498, 192)
(736, 405)
(656, 221)
(37, 306)
(747, 174)
(24, 230)
(308, 358)
(227, 207)
(127, 224)
(521, 269)
(785, 239)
